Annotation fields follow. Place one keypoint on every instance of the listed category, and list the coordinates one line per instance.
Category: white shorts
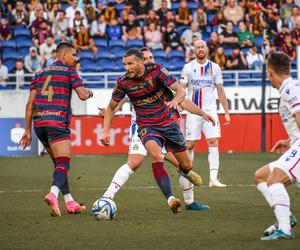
(195, 125)
(135, 145)
(289, 162)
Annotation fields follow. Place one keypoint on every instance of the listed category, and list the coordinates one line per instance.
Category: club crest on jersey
(149, 81)
(143, 131)
(287, 91)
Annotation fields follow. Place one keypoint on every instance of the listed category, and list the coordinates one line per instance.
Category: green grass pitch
(236, 220)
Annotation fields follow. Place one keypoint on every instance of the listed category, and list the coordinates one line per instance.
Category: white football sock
(281, 205)
(55, 191)
(191, 154)
(187, 190)
(263, 188)
(68, 197)
(213, 161)
(120, 178)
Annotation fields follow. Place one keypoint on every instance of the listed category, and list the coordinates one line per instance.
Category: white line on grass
(102, 188)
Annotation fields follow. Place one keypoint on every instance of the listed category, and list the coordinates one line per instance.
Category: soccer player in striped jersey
(272, 178)
(148, 89)
(202, 77)
(137, 153)
(49, 106)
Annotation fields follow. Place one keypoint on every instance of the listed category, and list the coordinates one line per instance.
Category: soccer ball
(104, 209)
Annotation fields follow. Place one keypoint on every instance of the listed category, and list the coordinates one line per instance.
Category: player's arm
(223, 101)
(179, 96)
(26, 137)
(117, 108)
(109, 113)
(191, 107)
(83, 93)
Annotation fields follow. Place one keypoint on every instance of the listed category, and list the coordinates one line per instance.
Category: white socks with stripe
(281, 205)
(120, 178)
(263, 188)
(213, 161)
(187, 190)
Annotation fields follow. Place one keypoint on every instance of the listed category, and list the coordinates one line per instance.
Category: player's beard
(201, 56)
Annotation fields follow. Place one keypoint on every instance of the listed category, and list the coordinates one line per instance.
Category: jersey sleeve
(75, 78)
(292, 96)
(33, 84)
(165, 77)
(119, 92)
(184, 77)
(217, 74)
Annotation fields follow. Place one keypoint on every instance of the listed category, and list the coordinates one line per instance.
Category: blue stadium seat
(236, 28)
(258, 41)
(160, 60)
(7, 87)
(22, 32)
(205, 36)
(9, 44)
(119, 43)
(23, 51)
(177, 63)
(210, 17)
(108, 67)
(85, 62)
(24, 42)
(89, 67)
(244, 75)
(193, 6)
(117, 52)
(176, 54)
(10, 55)
(85, 54)
(103, 61)
(135, 43)
(100, 43)
(159, 54)
(120, 6)
(181, 29)
(256, 75)
(227, 51)
(175, 6)
(10, 64)
(103, 54)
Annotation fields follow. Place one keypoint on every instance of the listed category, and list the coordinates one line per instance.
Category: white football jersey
(289, 105)
(201, 80)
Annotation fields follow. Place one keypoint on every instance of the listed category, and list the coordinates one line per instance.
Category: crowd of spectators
(234, 30)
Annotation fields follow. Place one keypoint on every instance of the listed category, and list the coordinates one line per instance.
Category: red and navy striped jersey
(148, 96)
(52, 103)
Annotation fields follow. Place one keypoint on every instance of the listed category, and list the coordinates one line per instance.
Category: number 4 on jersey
(47, 91)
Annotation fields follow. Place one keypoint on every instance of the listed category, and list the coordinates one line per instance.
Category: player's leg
(153, 146)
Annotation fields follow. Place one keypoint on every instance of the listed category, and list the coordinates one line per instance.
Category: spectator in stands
(101, 5)
(111, 13)
(296, 34)
(125, 12)
(131, 29)
(257, 21)
(186, 37)
(71, 10)
(41, 34)
(19, 14)
(275, 25)
(46, 48)
(220, 58)
(213, 43)
(183, 16)
(50, 60)
(237, 60)
(98, 29)
(162, 12)
(254, 59)
(286, 9)
(153, 37)
(169, 19)
(220, 21)
(114, 31)
(5, 31)
(38, 20)
(233, 12)
(141, 9)
(211, 6)
(78, 20)
(292, 20)
(83, 41)
(171, 39)
(9, 14)
(90, 12)
(33, 62)
(246, 38)
(53, 11)
(19, 74)
(190, 50)
(288, 47)
(151, 18)
(279, 38)
(270, 47)
(60, 26)
(228, 37)
(200, 17)
(3, 74)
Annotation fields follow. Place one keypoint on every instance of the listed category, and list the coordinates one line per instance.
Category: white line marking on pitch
(102, 188)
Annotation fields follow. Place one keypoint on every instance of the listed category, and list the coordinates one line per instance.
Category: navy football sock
(162, 178)
(60, 174)
(65, 187)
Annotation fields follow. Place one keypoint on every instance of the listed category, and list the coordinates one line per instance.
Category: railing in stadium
(108, 79)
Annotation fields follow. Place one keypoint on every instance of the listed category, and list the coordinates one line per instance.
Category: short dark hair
(144, 49)
(138, 54)
(64, 45)
(279, 62)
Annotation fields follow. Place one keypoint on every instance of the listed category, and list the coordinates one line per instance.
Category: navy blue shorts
(50, 135)
(169, 136)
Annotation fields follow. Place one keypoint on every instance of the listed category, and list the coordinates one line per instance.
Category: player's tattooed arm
(102, 110)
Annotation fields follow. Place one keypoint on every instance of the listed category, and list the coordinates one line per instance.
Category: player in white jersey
(137, 153)
(202, 77)
(272, 178)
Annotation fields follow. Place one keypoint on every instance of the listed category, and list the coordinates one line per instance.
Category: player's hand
(105, 138)
(209, 118)
(281, 146)
(174, 105)
(101, 112)
(228, 120)
(90, 92)
(25, 140)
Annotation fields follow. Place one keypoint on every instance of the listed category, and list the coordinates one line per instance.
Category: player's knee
(186, 164)
(134, 165)
(261, 175)
(212, 142)
(190, 145)
(157, 157)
